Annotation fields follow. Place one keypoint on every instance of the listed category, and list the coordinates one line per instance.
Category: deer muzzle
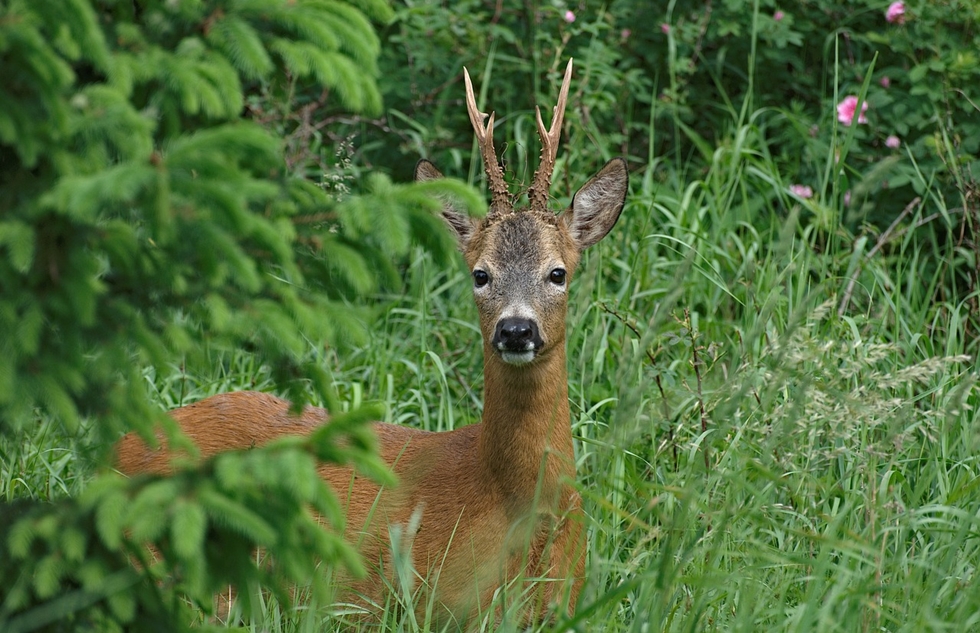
(517, 340)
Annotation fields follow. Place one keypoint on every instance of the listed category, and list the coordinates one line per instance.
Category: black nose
(515, 334)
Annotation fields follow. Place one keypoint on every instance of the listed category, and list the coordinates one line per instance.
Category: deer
(490, 504)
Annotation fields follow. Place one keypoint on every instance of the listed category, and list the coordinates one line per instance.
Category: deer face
(521, 267)
(522, 262)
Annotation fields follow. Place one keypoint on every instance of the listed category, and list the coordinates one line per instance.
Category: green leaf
(147, 514)
(237, 517)
(74, 544)
(187, 529)
(18, 238)
(48, 573)
(21, 537)
(242, 44)
(123, 605)
(111, 505)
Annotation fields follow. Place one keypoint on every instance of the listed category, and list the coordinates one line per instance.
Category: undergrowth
(775, 417)
(749, 457)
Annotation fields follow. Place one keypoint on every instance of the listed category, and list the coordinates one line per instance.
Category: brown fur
(475, 510)
(496, 500)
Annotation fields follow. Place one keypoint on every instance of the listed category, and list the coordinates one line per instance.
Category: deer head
(522, 260)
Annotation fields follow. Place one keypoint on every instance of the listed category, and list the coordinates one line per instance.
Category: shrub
(697, 71)
(147, 222)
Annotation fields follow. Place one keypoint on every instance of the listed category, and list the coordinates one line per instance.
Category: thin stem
(696, 362)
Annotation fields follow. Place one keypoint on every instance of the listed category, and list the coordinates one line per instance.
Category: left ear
(462, 225)
(597, 205)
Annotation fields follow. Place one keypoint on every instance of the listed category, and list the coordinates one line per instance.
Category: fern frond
(331, 69)
(242, 44)
(17, 238)
(237, 517)
(201, 84)
(378, 10)
(82, 198)
(75, 25)
(355, 34)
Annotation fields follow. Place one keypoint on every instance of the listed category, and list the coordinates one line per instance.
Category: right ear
(459, 223)
(597, 205)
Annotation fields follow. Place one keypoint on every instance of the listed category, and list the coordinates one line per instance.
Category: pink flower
(895, 13)
(665, 28)
(625, 34)
(801, 190)
(893, 142)
(847, 198)
(778, 15)
(885, 82)
(846, 108)
(569, 17)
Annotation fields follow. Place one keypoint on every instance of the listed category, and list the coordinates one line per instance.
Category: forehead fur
(526, 237)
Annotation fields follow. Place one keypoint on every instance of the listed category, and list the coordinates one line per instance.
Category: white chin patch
(517, 358)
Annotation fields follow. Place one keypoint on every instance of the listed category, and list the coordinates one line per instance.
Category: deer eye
(557, 276)
(480, 278)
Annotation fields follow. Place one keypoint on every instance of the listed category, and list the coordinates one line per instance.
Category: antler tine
(499, 196)
(541, 186)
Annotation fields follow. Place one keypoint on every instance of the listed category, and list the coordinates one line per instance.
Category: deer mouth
(517, 358)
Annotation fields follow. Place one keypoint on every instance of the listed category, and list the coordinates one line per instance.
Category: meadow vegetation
(772, 356)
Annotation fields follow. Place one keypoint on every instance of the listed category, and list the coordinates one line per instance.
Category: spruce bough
(147, 221)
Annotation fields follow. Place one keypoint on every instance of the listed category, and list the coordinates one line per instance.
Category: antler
(541, 187)
(499, 196)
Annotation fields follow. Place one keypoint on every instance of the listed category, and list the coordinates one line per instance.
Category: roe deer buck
(496, 499)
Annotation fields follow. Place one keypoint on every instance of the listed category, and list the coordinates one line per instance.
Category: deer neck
(526, 438)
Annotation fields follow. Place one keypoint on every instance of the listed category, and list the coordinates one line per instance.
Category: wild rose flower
(846, 108)
(801, 190)
(893, 142)
(778, 15)
(569, 17)
(665, 28)
(895, 13)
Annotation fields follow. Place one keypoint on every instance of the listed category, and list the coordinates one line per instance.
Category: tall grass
(753, 456)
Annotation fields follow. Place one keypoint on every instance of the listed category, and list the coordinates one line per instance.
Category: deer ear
(461, 224)
(425, 171)
(597, 205)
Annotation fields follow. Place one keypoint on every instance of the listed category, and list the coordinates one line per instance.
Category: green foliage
(800, 61)
(773, 466)
(70, 566)
(775, 414)
(681, 80)
(143, 197)
(146, 223)
(776, 421)
(746, 91)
